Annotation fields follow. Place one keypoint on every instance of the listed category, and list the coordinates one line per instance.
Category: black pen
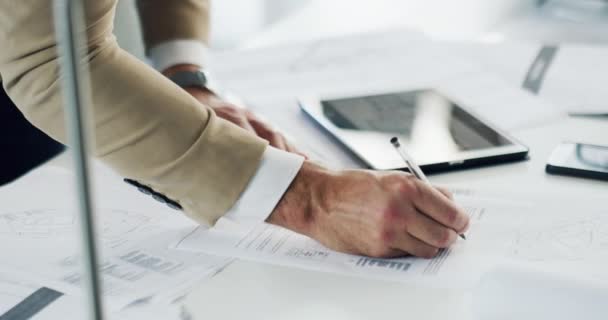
(411, 165)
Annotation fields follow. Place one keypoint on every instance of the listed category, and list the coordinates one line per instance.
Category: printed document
(501, 231)
(459, 265)
(39, 237)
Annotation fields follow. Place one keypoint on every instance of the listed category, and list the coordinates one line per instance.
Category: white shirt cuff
(275, 173)
(175, 52)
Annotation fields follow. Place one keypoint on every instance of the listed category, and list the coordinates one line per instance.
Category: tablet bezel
(312, 106)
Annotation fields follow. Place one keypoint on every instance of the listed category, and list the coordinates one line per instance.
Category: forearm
(145, 127)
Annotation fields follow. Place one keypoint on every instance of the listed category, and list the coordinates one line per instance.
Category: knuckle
(409, 187)
(371, 177)
(391, 180)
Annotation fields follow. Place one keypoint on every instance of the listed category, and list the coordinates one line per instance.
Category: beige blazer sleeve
(163, 20)
(146, 128)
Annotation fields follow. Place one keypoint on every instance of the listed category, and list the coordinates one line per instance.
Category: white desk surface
(257, 291)
(248, 290)
(443, 20)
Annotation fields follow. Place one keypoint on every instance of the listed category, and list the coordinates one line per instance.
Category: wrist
(168, 72)
(302, 203)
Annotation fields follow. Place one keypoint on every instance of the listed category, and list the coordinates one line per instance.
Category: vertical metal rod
(70, 29)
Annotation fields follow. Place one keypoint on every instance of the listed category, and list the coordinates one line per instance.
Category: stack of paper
(356, 65)
(561, 239)
(39, 240)
(270, 81)
(574, 80)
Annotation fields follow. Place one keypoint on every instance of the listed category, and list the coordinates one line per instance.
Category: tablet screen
(429, 125)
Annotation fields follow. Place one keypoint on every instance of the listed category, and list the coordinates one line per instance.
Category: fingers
(411, 231)
(410, 244)
(265, 131)
(437, 206)
(250, 122)
(430, 231)
(445, 192)
(275, 138)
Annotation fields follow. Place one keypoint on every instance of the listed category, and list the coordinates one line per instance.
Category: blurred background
(234, 21)
(255, 23)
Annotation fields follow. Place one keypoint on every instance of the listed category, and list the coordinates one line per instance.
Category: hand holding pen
(411, 165)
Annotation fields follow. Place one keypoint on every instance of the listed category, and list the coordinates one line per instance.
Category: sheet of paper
(502, 231)
(509, 60)
(14, 291)
(22, 297)
(377, 63)
(23, 300)
(459, 266)
(38, 235)
(541, 234)
(142, 273)
(578, 78)
(513, 292)
(574, 81)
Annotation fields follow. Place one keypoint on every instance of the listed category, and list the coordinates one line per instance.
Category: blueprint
(39, 237)
(570, 239)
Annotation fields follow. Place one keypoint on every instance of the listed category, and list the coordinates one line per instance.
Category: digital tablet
(437, 131)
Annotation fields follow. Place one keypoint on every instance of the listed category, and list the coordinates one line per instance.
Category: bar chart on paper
(275, 245)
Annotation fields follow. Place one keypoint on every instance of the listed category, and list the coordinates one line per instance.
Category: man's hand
(239, 116)
(378, 214)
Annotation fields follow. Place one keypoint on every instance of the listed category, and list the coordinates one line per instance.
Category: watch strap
(186, 79)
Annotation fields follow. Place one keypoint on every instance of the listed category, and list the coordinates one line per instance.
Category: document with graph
(502, 231)
(459, 265)
(39, 237)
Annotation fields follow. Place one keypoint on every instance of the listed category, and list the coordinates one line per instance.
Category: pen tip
(463, 237)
